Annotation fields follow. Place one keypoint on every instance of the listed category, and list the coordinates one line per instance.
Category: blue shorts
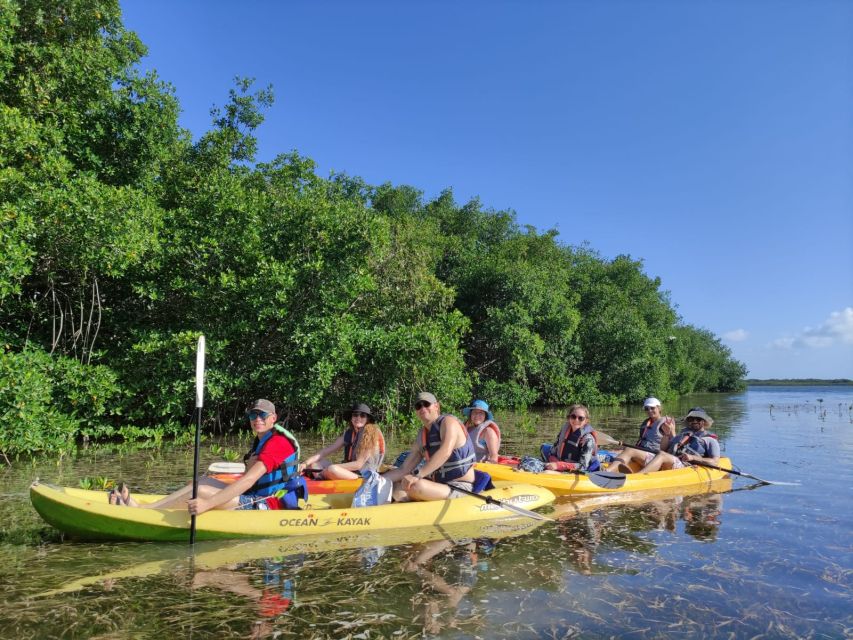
(250, 502)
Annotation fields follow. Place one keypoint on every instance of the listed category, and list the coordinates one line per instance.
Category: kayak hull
(579, 484)
(88, 515)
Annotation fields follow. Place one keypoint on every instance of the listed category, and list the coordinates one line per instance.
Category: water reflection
(601, 524)
(271, 592)
(448, 571)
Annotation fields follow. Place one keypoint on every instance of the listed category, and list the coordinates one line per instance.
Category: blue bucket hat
(482, 405)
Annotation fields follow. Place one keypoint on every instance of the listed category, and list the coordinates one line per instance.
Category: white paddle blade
(199, 373)
(226, 467)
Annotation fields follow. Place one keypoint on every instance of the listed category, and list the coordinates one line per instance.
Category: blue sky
(712, 140)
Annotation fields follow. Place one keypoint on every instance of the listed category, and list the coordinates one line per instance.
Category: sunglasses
(422, 404)
(575, 416)
(689, 420)
(358, 414)
(253, 415)
(650, 407)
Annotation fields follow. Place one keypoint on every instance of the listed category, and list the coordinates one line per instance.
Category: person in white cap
(694, 443)
(652, 430)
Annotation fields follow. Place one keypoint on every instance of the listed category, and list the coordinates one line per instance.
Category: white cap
(651, 402)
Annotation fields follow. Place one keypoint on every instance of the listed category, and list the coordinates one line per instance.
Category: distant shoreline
(798, 382)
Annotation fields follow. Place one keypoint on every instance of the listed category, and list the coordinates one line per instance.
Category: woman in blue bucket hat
(484, 431)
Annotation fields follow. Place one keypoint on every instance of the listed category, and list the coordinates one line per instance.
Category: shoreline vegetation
(797, 382)
(124, 238)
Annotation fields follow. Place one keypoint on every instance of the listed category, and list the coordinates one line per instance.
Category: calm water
(769, 562)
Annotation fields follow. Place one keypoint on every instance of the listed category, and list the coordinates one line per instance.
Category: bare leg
(181, 495)
(625, 458)
(337, 472)
(662, 461)
(425, 489)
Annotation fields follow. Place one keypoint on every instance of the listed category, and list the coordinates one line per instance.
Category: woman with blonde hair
(576, 447)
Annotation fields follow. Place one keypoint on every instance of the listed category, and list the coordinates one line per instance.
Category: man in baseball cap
(447, 451)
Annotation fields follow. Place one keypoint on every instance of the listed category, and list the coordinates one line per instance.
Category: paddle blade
(604, 438)
(199, 373)
(606, 479)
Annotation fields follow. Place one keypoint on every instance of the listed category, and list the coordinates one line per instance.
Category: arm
(492, 444)
(587, 448)
(324, 452)
(409, 465)
(713, 458)
(237, 488)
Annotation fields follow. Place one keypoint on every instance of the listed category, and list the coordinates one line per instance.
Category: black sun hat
(363, 408)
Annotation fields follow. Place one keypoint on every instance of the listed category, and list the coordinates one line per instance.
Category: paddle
(701, 463)
(505, 505)
(604, 479)
(199, 397)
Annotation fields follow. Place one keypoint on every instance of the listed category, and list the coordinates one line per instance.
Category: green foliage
(46, 401)
(229, 455)
(121, 241)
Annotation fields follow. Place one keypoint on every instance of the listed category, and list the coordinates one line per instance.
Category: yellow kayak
(580, 484)
(88, 515)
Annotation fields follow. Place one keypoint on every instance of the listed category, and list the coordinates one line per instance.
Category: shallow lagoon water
(769, 562)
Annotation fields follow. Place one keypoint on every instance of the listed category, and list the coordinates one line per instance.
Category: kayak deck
(88, 515)
(579, 484)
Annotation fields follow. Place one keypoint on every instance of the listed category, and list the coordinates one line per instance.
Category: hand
(300, 468)
(198, 506)
(408, 481)
(668, 427)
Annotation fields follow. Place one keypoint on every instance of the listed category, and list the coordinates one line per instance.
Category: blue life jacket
(283, 480)
(461, 459)
(567, 447)
(350, 443)
(695, 442)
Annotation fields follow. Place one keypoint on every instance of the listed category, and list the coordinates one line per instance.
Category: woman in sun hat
(695, 442)
(484, 431)
(362, 442)
(652, 430)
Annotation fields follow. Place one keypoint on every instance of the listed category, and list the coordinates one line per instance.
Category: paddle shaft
(702, 463)
(199, 401)
(505, 505)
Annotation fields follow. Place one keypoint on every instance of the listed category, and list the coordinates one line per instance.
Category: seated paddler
(445, 447)
(652, 430)
(271, 480)
(362, 443)
(575, 448)
(484, 431)
(694, 443)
